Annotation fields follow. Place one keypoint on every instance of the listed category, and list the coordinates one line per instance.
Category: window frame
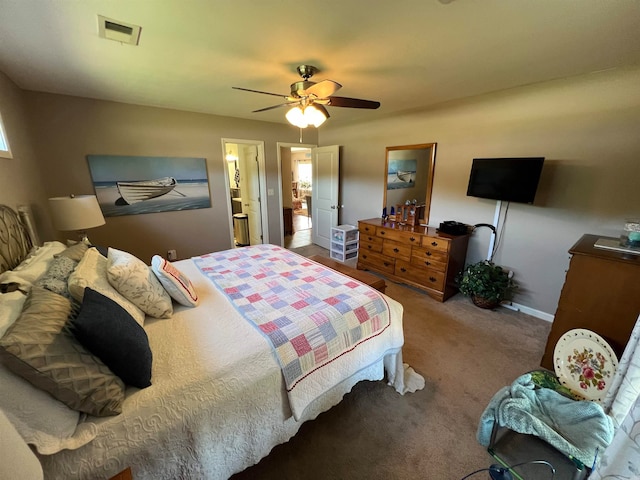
(4, 141)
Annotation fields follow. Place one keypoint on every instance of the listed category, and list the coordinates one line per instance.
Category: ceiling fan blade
(352, 103)
(323, 89)
(275, 106)
(264, 93)
(322, 109)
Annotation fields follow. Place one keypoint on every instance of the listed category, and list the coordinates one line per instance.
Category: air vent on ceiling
(119, 31)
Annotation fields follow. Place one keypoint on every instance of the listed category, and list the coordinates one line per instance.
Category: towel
(575, 428)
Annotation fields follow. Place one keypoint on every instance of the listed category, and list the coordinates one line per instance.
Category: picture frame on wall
(132, 185)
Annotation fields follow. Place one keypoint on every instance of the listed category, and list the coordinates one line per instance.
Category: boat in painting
(134, 192)
(405, 176)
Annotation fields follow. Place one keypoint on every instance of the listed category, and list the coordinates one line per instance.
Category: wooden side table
(123, 475)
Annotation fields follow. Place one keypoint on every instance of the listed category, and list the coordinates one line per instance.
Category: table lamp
(76, 213)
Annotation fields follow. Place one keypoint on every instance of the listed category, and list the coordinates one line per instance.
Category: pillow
(134, 280)
(42, 421)
(56, 277)
(75, 251)
(92, 272)
(109, 332)
(179, 287)
(41, 350)
(34, 266)
(10, 307)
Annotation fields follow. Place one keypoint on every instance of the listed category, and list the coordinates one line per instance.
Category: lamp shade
(80, 212)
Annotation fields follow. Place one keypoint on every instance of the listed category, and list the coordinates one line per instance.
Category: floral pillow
(92, 272)
(135, 281)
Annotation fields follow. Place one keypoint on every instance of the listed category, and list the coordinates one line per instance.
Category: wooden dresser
(415, 255)
(601, 293)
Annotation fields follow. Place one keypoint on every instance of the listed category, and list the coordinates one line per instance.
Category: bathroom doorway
(246, 184)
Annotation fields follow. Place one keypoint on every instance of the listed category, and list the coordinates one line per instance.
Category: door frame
(262, 182)
(279, 146)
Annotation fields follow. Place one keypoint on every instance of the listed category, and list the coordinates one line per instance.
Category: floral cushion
(137, 283)
(92, 272)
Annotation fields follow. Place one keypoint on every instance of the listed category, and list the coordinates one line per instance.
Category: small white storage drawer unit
(344, 242)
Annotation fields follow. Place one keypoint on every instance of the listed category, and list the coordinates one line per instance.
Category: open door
(250, 187)
(325, 193)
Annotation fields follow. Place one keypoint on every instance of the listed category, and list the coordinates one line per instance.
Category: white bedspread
(213, 408)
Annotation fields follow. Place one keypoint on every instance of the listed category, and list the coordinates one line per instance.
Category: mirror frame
(431, 167)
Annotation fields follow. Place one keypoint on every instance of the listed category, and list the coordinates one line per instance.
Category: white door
(250, 188)
(325, 193)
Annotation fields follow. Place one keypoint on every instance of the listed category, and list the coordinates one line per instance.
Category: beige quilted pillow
(137, 283)
(39, 348)
(92, 272)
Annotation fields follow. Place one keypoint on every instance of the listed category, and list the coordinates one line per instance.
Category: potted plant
(486, 283)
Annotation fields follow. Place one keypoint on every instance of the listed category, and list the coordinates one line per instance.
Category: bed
(226, 387)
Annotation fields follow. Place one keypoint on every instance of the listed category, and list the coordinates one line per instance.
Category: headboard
(15, 243)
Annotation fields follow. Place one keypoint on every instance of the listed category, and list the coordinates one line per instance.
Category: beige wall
(587, 128)
(66, 129)
(20, 180)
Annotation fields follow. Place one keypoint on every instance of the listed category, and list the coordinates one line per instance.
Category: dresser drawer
(371, 246)
(420, 254)
(366, 229)
(396, 249)
(436, 243)
(419, 259)
(370, 237)
(409, 238)
(376, 261)
(424, 276)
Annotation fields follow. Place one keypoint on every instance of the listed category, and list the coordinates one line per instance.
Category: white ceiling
(407, 54)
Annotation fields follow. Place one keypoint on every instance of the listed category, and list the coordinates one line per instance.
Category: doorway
(246, 183)
(296, 178)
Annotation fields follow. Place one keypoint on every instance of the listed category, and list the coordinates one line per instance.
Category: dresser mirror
(408, 176)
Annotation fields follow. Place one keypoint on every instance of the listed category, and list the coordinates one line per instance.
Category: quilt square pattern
(309, 313)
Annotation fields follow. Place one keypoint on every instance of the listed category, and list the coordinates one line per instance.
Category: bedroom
(585, 125)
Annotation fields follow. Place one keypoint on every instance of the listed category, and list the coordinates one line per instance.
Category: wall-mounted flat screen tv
(508, 179)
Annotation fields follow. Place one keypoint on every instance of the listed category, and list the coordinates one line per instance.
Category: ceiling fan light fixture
(302, 117)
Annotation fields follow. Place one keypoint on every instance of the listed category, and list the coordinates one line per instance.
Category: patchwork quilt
(310, 314)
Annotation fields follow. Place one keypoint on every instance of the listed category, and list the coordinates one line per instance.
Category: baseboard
(528, 310)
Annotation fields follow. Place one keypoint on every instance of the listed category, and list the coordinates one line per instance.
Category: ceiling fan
(308, 99)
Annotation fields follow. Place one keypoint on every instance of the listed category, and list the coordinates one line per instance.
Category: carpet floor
(466, 354)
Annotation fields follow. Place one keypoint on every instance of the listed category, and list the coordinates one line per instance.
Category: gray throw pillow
(40, 348)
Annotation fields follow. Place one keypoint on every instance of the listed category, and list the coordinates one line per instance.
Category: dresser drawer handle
(435, 244)
(364, 256)
(387, 264)
(428, 254)
(382, 232)
(413, 239)
(433, 279)
(396, 250)
(369, 247)
(427, 263)
(370, 239)
(403, 269)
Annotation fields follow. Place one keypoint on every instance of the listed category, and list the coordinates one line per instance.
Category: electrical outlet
(172, 255)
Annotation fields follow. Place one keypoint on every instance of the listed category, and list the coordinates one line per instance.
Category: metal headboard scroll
(15, 243)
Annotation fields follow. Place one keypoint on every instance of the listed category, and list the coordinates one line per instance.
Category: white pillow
(42, 421)
(10, 308)
(34, 266)
(137, 283)
(174, 281)
(92, 272)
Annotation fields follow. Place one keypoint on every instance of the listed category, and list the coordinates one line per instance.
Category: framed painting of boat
(128, 185)
(401, 174)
